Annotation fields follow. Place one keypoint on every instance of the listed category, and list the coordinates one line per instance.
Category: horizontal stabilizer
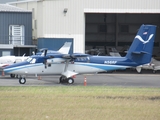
(69, 73)
(141, 52)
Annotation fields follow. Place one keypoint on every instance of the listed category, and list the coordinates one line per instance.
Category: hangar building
(15, 31)
(92, 23)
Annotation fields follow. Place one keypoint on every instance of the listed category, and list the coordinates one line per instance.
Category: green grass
(79, 103)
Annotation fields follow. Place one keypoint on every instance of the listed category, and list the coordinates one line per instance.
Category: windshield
(31, 60)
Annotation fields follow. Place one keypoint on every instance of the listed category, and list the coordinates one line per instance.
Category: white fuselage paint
(59, 68)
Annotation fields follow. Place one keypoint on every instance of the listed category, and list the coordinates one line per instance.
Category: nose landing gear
(22, 80)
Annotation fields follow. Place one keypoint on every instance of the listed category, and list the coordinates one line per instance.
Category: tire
(12, 75)
(22, 80)
(70, 80)
(62, 79)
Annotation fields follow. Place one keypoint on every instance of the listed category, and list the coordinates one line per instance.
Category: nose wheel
(22, 80)
(63, 79)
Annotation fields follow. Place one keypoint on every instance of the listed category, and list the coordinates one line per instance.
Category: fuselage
(79, 65)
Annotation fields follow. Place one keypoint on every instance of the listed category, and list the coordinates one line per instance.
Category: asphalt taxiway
(102, 79)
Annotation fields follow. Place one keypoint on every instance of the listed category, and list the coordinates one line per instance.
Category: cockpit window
(29, 59)
(33, 60)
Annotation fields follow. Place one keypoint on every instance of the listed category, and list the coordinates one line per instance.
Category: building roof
(23, 1)
(10, 8)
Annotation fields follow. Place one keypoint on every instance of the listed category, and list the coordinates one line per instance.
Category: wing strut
(66, 72)
(66, 65)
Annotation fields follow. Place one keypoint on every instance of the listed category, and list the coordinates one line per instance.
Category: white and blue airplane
(68, 65)
(9, 60)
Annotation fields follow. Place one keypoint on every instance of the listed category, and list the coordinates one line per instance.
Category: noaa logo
(144, 42)
(110, 62)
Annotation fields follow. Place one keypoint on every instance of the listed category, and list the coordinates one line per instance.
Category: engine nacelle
(55, 60)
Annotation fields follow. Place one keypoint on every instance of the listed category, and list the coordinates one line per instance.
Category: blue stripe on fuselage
(107, 62)
(19, 66)
(103, 66)
(122, 61)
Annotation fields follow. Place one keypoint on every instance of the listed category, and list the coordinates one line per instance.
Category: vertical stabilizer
(142, 46)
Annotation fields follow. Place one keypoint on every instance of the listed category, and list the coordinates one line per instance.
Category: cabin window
(28, 59)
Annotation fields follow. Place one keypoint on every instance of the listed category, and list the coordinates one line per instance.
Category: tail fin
(65, 48)
(142, 46)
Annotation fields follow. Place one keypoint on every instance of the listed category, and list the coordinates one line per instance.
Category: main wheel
(22, 80)
(62, 79)
(70, 80)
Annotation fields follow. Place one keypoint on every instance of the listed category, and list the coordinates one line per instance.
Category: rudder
(142, 46)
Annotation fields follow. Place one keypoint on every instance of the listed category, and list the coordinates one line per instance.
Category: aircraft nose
(4, 69)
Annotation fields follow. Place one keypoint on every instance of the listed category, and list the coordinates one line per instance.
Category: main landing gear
(12, 75)
(63, 79)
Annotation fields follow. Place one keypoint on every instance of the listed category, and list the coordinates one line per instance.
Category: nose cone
(14, 68)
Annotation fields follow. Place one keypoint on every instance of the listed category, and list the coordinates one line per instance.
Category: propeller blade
(35, 51)
(45, 52)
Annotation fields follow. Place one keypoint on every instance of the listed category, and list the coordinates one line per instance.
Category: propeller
(35, 51)
(45, 52)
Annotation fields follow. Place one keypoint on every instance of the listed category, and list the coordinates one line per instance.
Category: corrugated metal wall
(15, 18)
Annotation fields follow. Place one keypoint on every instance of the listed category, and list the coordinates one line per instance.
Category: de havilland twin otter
(68, 65)
(9, 60)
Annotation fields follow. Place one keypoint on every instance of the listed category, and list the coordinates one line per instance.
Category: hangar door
(116, 30)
